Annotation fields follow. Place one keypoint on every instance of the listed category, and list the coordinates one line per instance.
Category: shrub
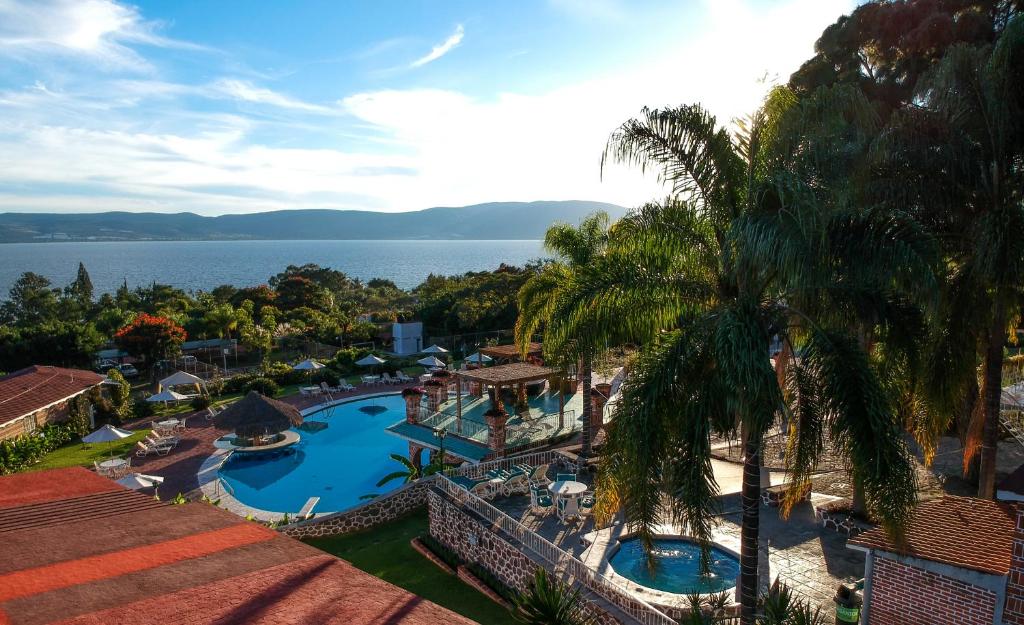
(22, 451)
(201, 403)
(238, 383)
(440, 550)
(325, 375)
(78, 415)
(142, 409)
(491, 580)
(264, 386)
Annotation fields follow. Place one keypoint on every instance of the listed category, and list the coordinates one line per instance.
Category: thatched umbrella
(255, 415)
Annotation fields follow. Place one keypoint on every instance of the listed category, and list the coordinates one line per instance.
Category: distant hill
(495, 220)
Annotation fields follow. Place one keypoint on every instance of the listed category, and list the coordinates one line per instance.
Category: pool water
(677, 566)
(338, 464)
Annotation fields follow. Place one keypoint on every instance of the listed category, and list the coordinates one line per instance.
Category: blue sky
(241, 106)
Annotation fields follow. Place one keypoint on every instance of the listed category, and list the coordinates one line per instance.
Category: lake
(194, 265)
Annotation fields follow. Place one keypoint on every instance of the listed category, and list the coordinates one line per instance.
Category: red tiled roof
(149, 563)
(37, 487)
(961, 531)
(27, 390)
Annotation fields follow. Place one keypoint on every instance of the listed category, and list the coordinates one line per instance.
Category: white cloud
(387, 149)
(100, 30)
(441, 49)
(248, 92)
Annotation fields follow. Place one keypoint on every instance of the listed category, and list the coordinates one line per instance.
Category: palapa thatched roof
(510, 352)
(255, 415)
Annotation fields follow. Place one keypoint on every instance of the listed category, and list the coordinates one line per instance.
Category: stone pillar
(521, 393)
(496, 431)
(435, 389)
(416, 455)
(412, 404)
(598, 399)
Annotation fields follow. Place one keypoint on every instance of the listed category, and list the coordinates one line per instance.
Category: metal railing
(480, 469)
(561, 562)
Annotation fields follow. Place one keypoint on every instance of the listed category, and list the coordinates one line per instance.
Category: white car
(128, 371)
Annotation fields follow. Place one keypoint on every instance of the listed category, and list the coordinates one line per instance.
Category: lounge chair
(160, 449)
(386, 378)
(328, 389)
(539, 474)
(212, 412)
(345, 387)
(157, 439)
(401, 377)
(480, 487)
(181, 425)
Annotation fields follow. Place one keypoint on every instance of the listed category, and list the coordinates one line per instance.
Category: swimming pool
(677, 568)
(338, 463)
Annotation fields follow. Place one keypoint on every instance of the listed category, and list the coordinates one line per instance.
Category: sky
(238, 106)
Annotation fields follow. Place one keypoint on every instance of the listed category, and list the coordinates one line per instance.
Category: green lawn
(384, 551)
(77, 454)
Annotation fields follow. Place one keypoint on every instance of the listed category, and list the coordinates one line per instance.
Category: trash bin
(848, 604)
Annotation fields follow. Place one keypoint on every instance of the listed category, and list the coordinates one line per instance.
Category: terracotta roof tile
(27, 390)
(191, 565)
(35, 487)
(962, 531)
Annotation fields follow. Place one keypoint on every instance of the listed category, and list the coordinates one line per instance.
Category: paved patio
(811, 560)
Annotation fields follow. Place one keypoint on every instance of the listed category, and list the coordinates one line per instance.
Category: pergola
(514, 374)
(511, 353)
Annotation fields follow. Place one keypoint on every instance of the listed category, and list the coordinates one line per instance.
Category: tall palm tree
(957, 159)
(575, 248)
(705, 280)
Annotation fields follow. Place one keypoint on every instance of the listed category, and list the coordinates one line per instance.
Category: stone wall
(387, 507)
(476, 541)
(907, 595)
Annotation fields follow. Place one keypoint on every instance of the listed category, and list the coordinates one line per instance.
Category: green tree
(120, 395)
(222, 320)
(31, 300)
(956, 159)
(576, 248)
(706, 280)
(81, 289)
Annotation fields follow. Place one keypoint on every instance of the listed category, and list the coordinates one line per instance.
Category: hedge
(20, 452)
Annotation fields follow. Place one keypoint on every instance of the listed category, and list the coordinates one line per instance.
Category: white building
(408, 337)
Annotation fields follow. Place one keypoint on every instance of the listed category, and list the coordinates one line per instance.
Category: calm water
(193, 265)
(677, 567)
(338, 464)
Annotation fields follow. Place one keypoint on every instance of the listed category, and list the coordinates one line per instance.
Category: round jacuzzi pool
(677, 566)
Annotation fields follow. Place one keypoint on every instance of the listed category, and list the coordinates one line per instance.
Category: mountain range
(494, 220)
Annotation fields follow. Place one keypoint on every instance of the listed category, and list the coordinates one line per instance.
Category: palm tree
(576, 248)
(705, 280)
(957, 158)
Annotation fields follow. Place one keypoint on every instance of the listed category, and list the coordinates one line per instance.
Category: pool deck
(811, 560)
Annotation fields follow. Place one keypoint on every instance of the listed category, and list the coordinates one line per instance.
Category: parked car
(128, 371)
(188, 360)
(106, 365)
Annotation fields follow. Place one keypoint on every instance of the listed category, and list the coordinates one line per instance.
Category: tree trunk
(586, 375)
(750, 528)
(993, 388)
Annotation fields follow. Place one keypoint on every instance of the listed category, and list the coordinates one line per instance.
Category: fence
(560, 562)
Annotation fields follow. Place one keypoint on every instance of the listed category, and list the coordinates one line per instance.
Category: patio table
(310, 390)
(168, 424)
(114, 466)
(370, 379)
(568, 489)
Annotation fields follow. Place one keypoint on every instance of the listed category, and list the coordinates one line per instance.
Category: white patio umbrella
(431, 361)
(308, 365)
(370, 361)
(478, 358)
(166, 396)
(435, 349)
(135, 481)
(106, 434)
